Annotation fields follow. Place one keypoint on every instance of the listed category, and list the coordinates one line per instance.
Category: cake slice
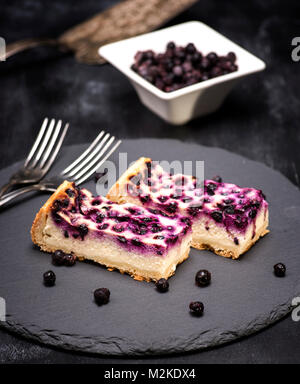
(147, 244)
(226, 218)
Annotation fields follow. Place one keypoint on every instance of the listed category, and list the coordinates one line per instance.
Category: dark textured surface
(243, 298)
(259, 119)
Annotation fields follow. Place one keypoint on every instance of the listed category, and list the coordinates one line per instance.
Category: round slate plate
(243, 298)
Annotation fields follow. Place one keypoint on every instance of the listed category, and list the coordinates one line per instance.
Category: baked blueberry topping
(162, 285)
(163, 199)
(194, 210)
(230, 209)
(217, 216)
(159, 237)
(70, 192)
(240, 222)
(83, 230)
(279, 270)
(172, 239)
(203, 278)
(49, 278)
(122, 239)
(171, 207)
(101, 296)
(136, 242)
(186, 199)
(58, 257)
(103, 226)
(156, 228)
(69, 260)
(252, 213)
(145, 199)
(100, 217)
(210, 189)
(196, 308)
(217, 178)
(96, 202)
(118, 228)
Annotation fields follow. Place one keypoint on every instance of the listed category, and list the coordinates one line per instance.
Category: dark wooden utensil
(126, 19)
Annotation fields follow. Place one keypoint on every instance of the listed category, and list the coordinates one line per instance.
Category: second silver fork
(78, 171)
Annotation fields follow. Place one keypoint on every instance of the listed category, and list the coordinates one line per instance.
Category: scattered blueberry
(162, 285)
(49, 278)
(58, 257)
(196, 308)
(69, 260)
(203, 278)
(217, 216)
(101, 296)
(279, 270)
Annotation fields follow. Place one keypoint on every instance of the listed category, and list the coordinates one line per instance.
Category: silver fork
(79, 171)
(41, 156)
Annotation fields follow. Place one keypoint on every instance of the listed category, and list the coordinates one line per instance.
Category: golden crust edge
(114, 194)
(41, 217)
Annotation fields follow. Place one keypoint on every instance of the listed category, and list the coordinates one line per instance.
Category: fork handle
(13, 195)
(6, 187)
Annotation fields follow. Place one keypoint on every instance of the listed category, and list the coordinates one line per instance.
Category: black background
(260, 120)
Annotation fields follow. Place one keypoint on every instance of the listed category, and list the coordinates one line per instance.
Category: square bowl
(182, 105)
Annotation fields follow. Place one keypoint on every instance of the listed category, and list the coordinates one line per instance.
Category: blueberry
(136, 242)
(122, 239)
(203, 278)
(49, 278)
(196, 308)
(231, 56)
(70, 192)
(236, 241)
(69, 260)
(58, 257)
(210, 189)
(103, 226)
(217, 178)
(252, 213)
(83, 230)
(172, 207)
(217, 216)
(190, 48)
(212, 57)
(66, 234)
(145, 199)
(205, 63)
(101, 296)
(163, 199)
(162, 285)
(177, 70)
(230, 209)
(216, 71)
(279, 270)
(171, 45)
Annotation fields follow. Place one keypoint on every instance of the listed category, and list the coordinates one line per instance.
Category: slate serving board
(243, 298)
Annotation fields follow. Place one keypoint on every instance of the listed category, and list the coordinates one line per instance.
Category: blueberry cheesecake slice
(226, 218)
(147, 245)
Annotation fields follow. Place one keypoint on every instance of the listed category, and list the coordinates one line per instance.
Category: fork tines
(92, 158)
(46, 145)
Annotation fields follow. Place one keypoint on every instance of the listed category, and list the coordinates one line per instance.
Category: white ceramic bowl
(199, 99)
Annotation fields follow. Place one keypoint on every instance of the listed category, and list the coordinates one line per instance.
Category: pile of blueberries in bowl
(180, 67)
